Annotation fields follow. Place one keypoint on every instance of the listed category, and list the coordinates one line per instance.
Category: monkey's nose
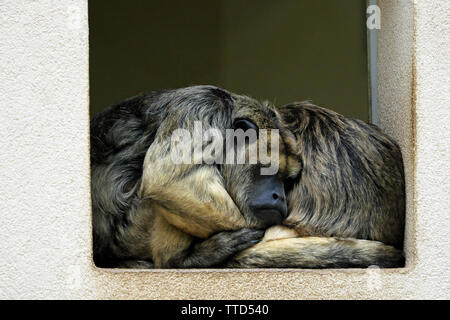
(276, 196)
(268, 202)
(276, 201)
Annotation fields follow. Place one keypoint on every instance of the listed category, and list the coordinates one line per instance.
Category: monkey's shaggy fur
(344, 182)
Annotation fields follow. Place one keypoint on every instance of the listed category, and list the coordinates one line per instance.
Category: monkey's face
(218, 162)
(258, 187)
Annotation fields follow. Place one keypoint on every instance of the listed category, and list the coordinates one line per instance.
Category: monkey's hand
(216, 250)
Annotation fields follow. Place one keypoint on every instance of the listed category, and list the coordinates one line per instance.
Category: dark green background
(282, 51)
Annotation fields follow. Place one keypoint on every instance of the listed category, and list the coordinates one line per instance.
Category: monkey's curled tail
(319, 252)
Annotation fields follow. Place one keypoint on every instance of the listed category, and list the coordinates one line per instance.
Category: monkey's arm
(173, 248)
(190, 197)
(193, 213)
(318, 252)
(216, 250)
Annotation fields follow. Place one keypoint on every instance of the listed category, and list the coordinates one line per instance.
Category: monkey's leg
(316, 252)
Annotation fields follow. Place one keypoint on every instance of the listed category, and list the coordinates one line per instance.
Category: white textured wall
(44, 169)
(45, 235)
(433, 144)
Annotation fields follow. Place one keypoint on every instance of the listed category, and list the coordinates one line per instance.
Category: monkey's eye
(244, 124)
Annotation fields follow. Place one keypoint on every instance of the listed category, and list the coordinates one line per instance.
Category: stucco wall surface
(44, 163)
(432, 98)
(45, 237)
